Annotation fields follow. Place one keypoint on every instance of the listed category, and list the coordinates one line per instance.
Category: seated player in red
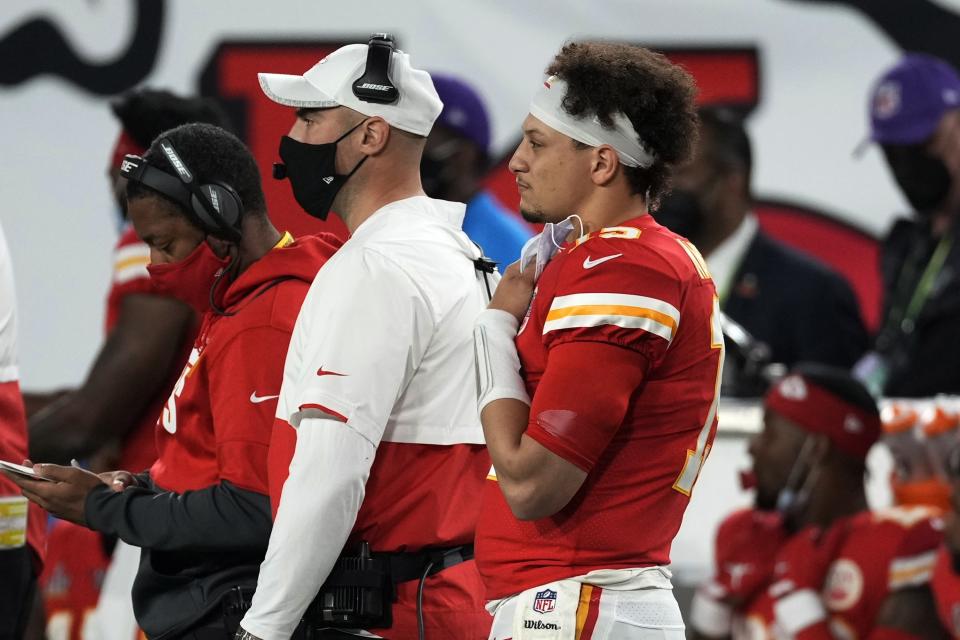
(847, 572)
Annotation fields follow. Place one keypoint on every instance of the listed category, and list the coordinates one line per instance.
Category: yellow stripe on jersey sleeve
(130, 263)
(580, 310)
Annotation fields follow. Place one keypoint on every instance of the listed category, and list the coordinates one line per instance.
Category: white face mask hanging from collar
(541, 248)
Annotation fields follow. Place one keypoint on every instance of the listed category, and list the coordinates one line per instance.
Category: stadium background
(800, 69)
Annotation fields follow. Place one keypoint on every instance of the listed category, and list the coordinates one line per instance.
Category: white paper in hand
(21, 470)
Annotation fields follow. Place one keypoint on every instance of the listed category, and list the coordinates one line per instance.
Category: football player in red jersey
(590, 479)
(202, 513)
(847, 572)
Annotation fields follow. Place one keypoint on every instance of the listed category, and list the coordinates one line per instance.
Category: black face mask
(923, 178)
(311, 169)
(682, 213)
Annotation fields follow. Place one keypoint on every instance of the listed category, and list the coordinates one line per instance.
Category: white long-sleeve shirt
(381, 354)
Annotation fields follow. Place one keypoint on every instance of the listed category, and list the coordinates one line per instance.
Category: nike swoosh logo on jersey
(255, 399)
(589, 264)
(321, 372)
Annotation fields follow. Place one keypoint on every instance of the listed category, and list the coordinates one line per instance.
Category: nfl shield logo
(545, 602)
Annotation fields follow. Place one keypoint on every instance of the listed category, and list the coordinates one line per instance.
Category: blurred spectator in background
(148, 333)
(915, 117)
(797, 306)
(845, 567)
(22, 529)
(455, 160)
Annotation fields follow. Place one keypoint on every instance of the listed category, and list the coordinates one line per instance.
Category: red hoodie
(216, 424)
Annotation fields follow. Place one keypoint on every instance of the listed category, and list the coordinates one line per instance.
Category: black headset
(215, 207)
(375, 85)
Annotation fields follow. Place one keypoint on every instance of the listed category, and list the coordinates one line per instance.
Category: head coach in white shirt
(378, 404)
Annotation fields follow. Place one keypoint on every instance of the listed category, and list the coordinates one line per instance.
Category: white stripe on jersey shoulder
(135, 250)
(131, 272)
(627, 322)
(130, 263)
(912, 571)
(583, 310)
(615, 299)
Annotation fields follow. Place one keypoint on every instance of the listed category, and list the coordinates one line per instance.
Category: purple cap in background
(909, 99)
(463, 110)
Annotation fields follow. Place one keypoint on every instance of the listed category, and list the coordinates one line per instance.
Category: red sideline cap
(813, 408)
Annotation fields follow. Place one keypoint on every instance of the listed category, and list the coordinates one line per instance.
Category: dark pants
(17, 590)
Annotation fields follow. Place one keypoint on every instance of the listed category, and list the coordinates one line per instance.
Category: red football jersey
(217, 421)
(71, 579)
(882, 551)
(647, 290)
(946, 591)
(747, 543)
(130, 277)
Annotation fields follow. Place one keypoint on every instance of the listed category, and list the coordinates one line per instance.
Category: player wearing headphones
(202, 513)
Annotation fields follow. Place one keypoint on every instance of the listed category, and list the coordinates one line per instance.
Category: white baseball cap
(329, 83)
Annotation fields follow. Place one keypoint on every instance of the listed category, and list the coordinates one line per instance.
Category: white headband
(548, 108)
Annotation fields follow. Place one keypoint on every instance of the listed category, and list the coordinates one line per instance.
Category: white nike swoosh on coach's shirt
(589, 264)
(255, 399)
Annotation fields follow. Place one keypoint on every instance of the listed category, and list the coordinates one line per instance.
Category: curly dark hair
(145, 113)
(657, 96)
(212, 155)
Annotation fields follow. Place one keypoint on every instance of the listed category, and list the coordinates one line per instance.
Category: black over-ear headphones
(215, 207)
(375, 85)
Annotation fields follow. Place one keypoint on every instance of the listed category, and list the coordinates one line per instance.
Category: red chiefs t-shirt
(647, 290)
(130, 277)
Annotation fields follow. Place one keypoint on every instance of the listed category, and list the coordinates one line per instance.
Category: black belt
(412, 566)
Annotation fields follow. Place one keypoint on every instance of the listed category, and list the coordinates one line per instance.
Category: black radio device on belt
(357, 594)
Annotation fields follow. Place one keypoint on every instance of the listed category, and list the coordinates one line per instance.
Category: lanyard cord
(900, 316)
